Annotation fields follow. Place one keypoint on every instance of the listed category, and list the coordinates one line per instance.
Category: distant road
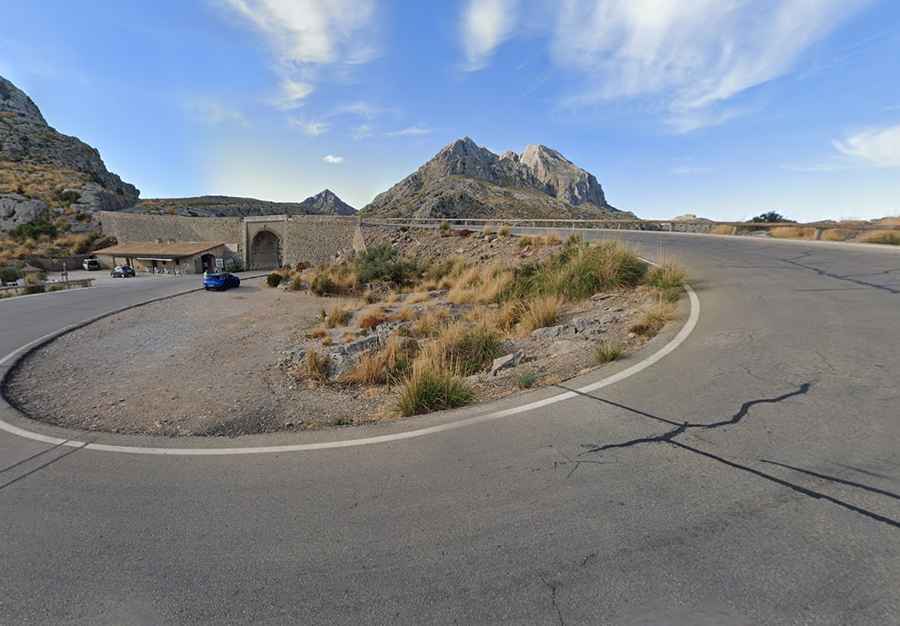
(752, 476)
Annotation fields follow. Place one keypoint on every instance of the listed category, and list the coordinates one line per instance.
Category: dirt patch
(199, 364)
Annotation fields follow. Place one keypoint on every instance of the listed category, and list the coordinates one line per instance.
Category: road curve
(751, 476)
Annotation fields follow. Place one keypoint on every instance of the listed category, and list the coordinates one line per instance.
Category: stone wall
(128, 227)
(314, 239)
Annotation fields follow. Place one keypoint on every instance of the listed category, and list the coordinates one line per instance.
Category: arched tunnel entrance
(265, 251)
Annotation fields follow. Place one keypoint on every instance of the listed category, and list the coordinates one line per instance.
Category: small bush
(315, 366)
(444, 228)
(471, 349)
(487, 231)
(540, 312)
(552, 240)
(430, 323)
(432, 385)
(34, 230)
(372, 317)
(337, 316)
(274, 279)
(722, 229)
(527, 380)
(607, 351)
(464, 232)
(323, 285)
(666, 275)
(385, 366)
(30, 289)
(505, 231)
(296, 283)
(383, 262)
(9, 274)
(654, 320)
(317, 333)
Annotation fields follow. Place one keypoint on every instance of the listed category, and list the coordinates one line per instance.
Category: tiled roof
(153, 249)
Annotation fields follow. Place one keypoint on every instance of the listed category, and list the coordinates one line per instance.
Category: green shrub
(607, 351)
(384, 263)
(274, 279)
(444, 228)
(432, 386)
(470, 349)
(578, 272)
(527, 380)
(667, 275)
(33, 230)
(323, 285)
(9, 274)
(29, 289)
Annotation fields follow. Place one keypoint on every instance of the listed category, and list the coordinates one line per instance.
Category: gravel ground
(200, 364)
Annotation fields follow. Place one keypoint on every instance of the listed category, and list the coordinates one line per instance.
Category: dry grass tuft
(315, 366)
(887, 237)
(505, 231)
(337, 316)
(433, 385)
(792, 232)
(722, 229)
(607, 351)
(417, 297)
(430, 323)
(384, 366)
(372, 317)
(654, 319)
(540, 312)
(837, 234)
(666, 275)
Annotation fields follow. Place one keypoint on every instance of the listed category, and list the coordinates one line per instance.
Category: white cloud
(689, 170)
(876, 146)
(485, 24)
(362, 131)
(214, 113)
(305, 34)
(410, 131)
(332, 159)
(313, 129)
(694, 55)
(361, 109)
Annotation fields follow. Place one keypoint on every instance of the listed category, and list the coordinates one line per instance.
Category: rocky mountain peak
(561, 177)
(466, 179)
(44, 166)
(15, 102)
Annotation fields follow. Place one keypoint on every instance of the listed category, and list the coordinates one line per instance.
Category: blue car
(220, 281)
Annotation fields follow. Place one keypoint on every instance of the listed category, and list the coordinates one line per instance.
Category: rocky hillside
(45, 174)
(323, 203)
(466, 180)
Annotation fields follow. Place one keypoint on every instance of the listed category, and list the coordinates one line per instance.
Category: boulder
(16, 209)
(505, 362)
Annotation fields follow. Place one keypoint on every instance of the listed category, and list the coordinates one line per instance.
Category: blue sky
(724, 108)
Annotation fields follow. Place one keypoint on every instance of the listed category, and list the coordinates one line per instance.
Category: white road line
(676, 341)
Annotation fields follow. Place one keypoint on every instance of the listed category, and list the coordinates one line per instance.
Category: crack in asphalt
(553, 598)
(846, 278)
(670, 437)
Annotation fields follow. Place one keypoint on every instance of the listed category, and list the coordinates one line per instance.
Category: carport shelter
(189, 257)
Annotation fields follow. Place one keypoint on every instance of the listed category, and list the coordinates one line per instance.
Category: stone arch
(265, 251)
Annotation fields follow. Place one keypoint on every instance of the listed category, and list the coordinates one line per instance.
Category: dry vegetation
(449, 318)
(45, 182)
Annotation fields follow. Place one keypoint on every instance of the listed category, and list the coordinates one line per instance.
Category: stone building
(255, 243)
(192, 257)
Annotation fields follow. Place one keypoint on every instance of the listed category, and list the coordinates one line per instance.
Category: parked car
(91, 264)
(122, 271)
(220, 281)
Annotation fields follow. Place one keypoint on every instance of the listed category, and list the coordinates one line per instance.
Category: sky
(722, 108)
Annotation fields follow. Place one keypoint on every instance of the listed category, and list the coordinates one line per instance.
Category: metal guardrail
(650, 225)
(9, 291)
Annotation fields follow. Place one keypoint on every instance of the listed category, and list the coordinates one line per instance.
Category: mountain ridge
(326, 202)
(467, 180)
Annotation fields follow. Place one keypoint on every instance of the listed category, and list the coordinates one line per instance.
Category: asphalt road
(750, 477)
